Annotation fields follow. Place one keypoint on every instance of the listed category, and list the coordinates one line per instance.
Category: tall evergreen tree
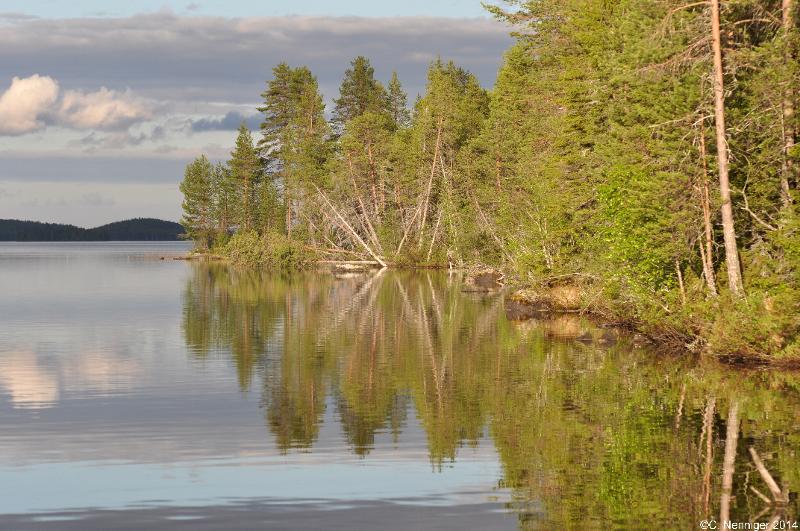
(305, 138)
(294, 143)
(359, 92)
(279, 99)
(226, 202)
(398, 102)
(245, 172)
(198, 206)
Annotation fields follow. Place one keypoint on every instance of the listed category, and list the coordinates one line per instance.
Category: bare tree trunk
(705, 200)
(430, 179)
(680, 281)
(371, 234)
(378, 194)
(788, 110)
(407, 230)
(729, 461)
(728, 231)
(433, 238)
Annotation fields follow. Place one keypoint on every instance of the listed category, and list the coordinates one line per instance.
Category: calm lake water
(140, 393)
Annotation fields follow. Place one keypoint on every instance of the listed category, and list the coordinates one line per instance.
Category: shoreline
(524, 302)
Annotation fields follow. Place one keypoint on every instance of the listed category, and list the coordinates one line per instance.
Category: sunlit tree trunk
(728, 231)
(788, 110)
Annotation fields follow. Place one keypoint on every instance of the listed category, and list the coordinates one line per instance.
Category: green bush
(283, 253)
(273, 251)
(245, 249)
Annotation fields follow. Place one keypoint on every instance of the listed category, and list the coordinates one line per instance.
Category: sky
(102, 103)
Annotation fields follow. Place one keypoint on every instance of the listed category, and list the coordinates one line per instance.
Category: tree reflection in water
(599, 436)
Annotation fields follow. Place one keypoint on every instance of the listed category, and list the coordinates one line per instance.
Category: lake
(146, 393)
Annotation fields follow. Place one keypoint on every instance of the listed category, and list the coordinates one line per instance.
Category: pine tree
(294, 143)
(279, 99)
(359, 92)
(305, 138)
(197, 204)
(226, 204)
(245, 172)
(398, 104)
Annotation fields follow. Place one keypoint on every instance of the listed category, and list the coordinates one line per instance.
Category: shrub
(245, 249)
(273, 251)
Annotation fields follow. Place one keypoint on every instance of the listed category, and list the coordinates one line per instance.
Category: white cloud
(25, 102)
(30, 103)
(103, 109)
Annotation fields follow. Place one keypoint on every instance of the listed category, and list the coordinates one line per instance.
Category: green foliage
(196, 188)
(272, 251)
(245, 249)
(398, 103)
(285, 254)
(294, 147)
(592, 157)
(245, 171)
(360, 92)
(227, 202)
(637, 230)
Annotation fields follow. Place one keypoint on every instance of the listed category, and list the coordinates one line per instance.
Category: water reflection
(29, 385)
(598, 435)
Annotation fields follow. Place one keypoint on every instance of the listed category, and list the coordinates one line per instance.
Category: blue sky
(247, 8)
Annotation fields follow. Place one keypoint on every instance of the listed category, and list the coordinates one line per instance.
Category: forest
(136, 229)
(641, 152)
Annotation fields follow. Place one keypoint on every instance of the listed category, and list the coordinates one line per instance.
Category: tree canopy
(644, 151)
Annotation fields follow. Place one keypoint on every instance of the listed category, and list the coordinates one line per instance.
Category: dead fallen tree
(345, 225)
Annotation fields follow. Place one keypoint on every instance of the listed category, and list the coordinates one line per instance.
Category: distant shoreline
(137, 229)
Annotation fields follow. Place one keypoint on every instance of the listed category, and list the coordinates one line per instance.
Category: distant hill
(138, 229)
